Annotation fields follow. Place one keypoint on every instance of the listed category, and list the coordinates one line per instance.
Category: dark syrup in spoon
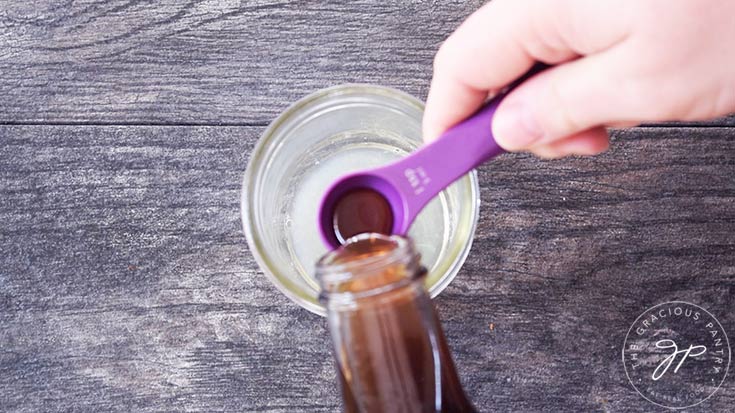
(359, 211)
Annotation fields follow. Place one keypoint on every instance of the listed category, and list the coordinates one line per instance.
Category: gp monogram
(676, 354)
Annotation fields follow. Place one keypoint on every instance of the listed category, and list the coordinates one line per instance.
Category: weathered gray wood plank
(126, 283)
(208, 62)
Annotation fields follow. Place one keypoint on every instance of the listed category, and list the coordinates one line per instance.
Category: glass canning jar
(319, 138)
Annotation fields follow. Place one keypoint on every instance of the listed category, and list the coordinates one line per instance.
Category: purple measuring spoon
(411, 182)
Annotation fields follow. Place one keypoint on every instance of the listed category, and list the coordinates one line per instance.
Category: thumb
(563, 101)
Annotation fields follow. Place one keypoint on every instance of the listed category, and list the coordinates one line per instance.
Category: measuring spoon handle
(426, 172)
(465, 146)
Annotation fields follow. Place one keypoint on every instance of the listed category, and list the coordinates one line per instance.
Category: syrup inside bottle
(391, 353)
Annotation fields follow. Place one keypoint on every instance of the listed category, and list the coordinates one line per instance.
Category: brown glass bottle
(389, 346)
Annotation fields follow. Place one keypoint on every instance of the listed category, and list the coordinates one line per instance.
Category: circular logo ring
(676, 355)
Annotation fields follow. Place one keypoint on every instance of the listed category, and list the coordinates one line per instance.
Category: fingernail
(514, 127)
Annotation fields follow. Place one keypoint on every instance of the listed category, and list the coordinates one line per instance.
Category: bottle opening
(367, 263)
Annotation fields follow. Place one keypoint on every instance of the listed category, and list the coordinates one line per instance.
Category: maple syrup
(359, 211)
(390, 350)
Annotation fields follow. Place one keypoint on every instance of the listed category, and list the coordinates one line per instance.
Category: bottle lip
(330, 270)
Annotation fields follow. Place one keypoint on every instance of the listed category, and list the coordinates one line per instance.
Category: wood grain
(126, 283)
(208, 62)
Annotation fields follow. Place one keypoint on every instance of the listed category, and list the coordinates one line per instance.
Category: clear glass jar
(319, 138)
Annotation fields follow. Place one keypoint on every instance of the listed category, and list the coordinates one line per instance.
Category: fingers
(590, 142)
(449, 102)
(566, 100)
(501, 41)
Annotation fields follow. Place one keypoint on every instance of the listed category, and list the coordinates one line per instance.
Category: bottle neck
(390, 349)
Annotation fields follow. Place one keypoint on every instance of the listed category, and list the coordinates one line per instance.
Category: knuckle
(725, 100)
(639, 93)
(441, 58)
(655, 99)
(566, 118)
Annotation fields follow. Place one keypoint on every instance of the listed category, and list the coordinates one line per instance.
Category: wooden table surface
(125, 280)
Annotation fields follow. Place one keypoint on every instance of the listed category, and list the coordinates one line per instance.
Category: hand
(618, 63)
